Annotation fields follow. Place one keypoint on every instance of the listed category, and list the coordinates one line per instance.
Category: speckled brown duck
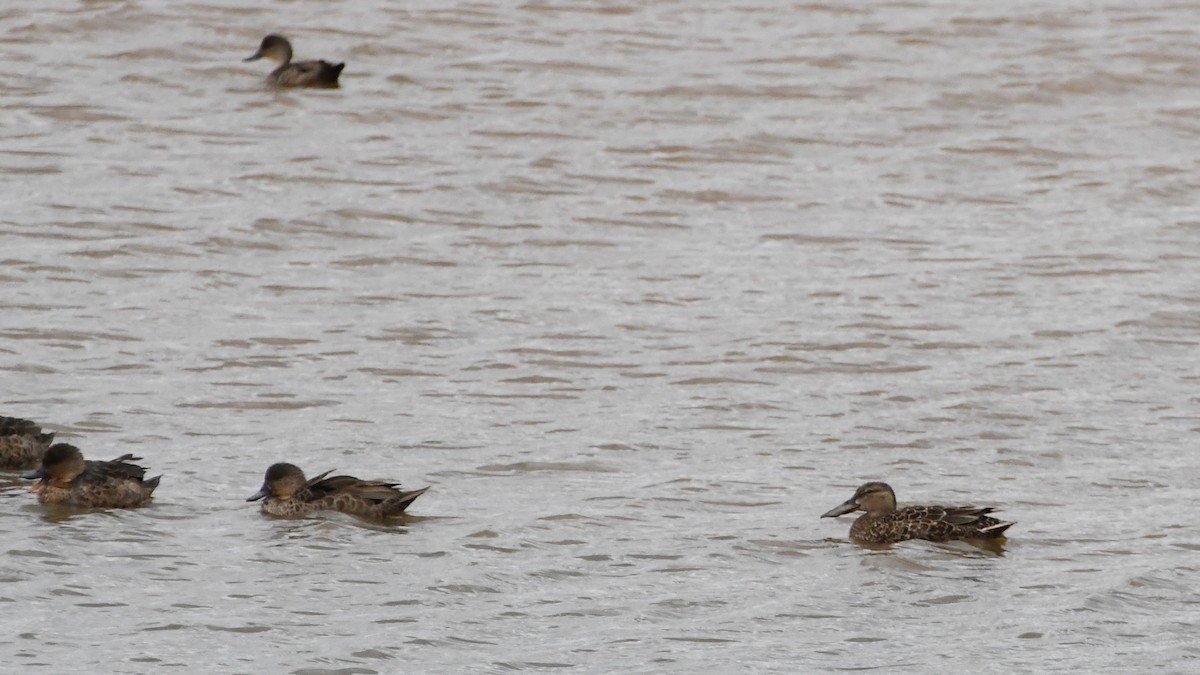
(883, 523)
(287, 493)
(66, 478)
(290, 73)
(22, 443)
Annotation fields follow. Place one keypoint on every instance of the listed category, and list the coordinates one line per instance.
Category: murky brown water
(640, 291)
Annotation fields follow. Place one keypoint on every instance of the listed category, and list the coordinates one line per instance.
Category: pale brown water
(640, 291)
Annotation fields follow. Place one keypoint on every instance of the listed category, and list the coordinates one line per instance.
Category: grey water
(640, 290)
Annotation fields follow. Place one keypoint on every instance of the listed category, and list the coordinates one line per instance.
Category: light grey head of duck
(274, 47)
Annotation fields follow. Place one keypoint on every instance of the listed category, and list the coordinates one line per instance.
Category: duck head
(60, 465)
(274, 47)
(281, 481)
(875, 498)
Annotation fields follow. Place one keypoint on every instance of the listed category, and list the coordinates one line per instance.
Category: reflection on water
(640, 290)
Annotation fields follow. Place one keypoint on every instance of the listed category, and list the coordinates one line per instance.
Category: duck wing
(308, 74)
(373, 490)
(119, 468)
(941, 523)
(953, 515)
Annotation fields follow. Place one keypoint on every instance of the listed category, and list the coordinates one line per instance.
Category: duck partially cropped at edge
(288, 494)
(883, 523)
(295, 73)
(22, 443)
(66, 478)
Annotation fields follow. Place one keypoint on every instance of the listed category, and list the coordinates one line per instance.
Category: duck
(883, 523)
(65, 477)
(287, 493)
(22, 443)
(299, 73)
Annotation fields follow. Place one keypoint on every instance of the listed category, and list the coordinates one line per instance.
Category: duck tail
(151, 483)
(331, 74)
(397, 504)
(996, 529)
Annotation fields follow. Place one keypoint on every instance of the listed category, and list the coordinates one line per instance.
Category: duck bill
(262, 492)
(37, 474)
(841, 509)
(254, 57)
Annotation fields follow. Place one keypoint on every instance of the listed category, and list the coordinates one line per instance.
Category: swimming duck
(883, 523)
(289, 494)
(22, 443)
(66, 478)
(299, 74)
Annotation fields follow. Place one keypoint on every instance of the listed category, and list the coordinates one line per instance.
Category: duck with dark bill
(289, 73)
(65, 477)
(883, 523)
(287, 493)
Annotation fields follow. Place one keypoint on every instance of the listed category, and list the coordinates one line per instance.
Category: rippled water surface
(640, 290)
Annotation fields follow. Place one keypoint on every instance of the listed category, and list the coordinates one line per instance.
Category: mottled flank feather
(288, 494)
(22, 443)
(290, 73)
(883, 523)
(66, 478)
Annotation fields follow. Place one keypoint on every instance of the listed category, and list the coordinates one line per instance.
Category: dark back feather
(119, 468)
(372, 490)
(307, 74)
